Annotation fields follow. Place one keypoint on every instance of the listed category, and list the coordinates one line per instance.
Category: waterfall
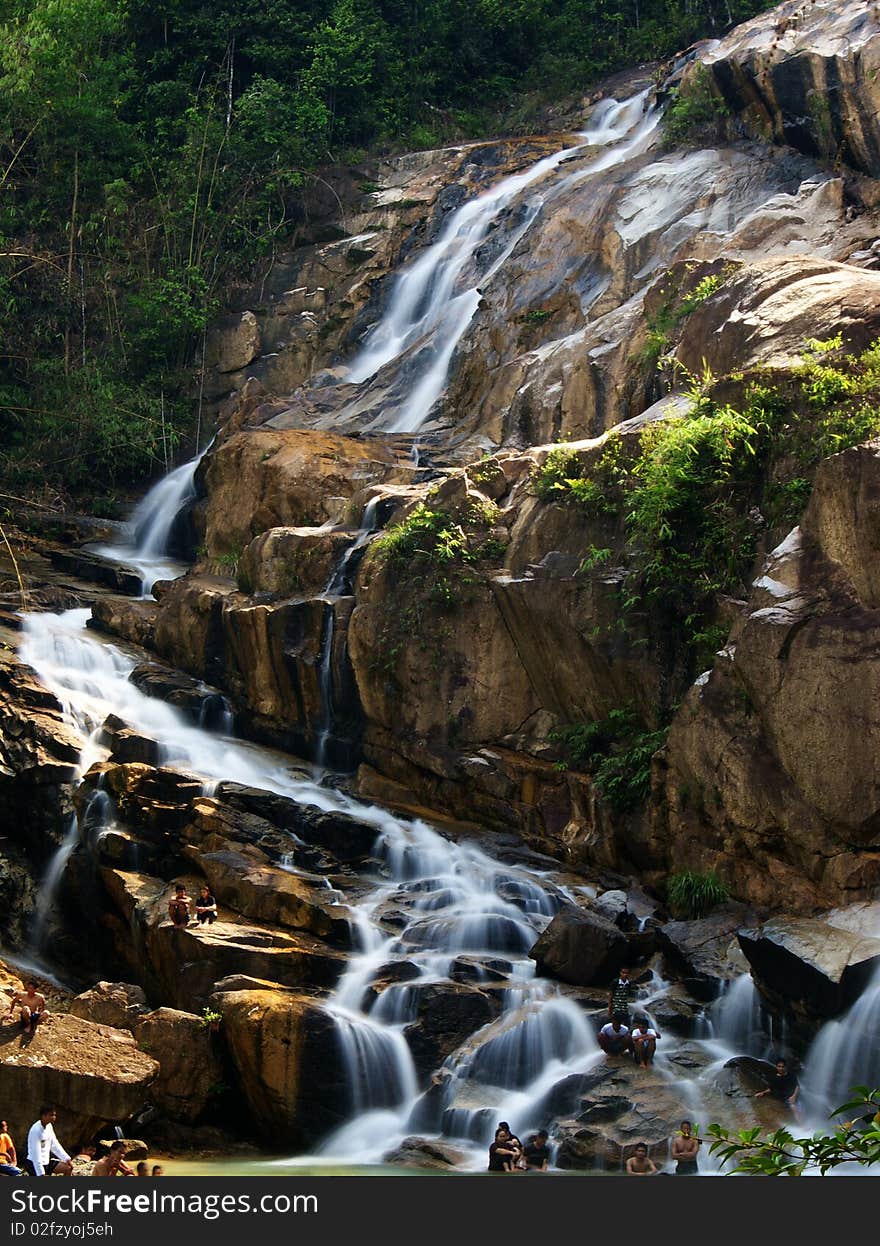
(152, 523)
(339, 585)
(48, 891)
(434, 299)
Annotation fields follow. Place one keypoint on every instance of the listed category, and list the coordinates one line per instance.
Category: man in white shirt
(46, 1156)
(614, 1038)
(644, 1039)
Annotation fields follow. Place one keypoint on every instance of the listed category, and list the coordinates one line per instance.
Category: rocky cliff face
(613, 594)
(453, 690)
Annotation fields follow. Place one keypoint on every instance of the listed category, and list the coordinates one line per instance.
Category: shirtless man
(113, 1164)
(32, 1008)
(684, 1151)
(639, 1165)
(178, 906)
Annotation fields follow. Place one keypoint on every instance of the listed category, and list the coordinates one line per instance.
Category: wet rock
(342, 835)
(117, 1004)
(446, 1015)
(129, 618)
(202, 704)
(817, 969)
(292, 562)
(706, 951)
(285, 1052)
(125, 744)
(580, 947)
(424, 1153)
(86, 566)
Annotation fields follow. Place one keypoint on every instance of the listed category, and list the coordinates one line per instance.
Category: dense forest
(150, 150)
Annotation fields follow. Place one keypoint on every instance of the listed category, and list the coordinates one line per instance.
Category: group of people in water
(620, 1037)
(46, 1157)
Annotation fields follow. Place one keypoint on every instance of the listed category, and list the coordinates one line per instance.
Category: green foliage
(617, 751)
(425, 534)
(210, 1018)
(560, 478)
(855, 1140)
(695, 111)
(149, 154)
(691, 895)
(672, 312)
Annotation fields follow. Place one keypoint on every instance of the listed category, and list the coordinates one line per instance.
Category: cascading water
(152, 524)
(48, 892)
(339, 585)
(435, 298)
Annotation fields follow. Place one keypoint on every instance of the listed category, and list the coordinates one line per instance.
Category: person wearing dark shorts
(206, 907)
(178, 907)
(684, 1151)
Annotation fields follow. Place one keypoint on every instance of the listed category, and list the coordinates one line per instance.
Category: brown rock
(190, 1068)
(94, 1074)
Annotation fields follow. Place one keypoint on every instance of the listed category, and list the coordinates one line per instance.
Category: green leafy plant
(695, 111)
(210, 1019)
(855, 1140)
(691, 895)
(618, 752)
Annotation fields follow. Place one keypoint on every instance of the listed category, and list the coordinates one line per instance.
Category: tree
(855, 1140)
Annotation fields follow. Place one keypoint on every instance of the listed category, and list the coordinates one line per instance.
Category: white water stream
(454, 909)
(434, 299)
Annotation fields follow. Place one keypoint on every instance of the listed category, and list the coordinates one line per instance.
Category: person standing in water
(684, 1151)
(640, 1164)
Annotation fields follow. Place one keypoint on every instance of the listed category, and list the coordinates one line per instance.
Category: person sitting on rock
(8, 1158)
(178, 906)
(684, 1151)
(784, 1086)
(113, 1163)
(614, 1038)
(644, 1040)
(46, 1156)
(206, 907)
(503, 1153)
(536, 1152)
(32, 1008)
(640, 1164)
(620, 995)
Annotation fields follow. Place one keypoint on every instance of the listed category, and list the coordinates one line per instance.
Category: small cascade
(153, 525)
(340, 585)
(435, 298)
(376, 1060)
(845, 1053)
(48, 893)
(741, 1022)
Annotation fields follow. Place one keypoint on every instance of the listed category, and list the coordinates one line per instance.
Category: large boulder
(581, 947)
(446, 1015)
(705, 951)
(284, 1048)
(117, 1004)
(94, 1074)
(190, 1067)
(298, 479)
(809, 966)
